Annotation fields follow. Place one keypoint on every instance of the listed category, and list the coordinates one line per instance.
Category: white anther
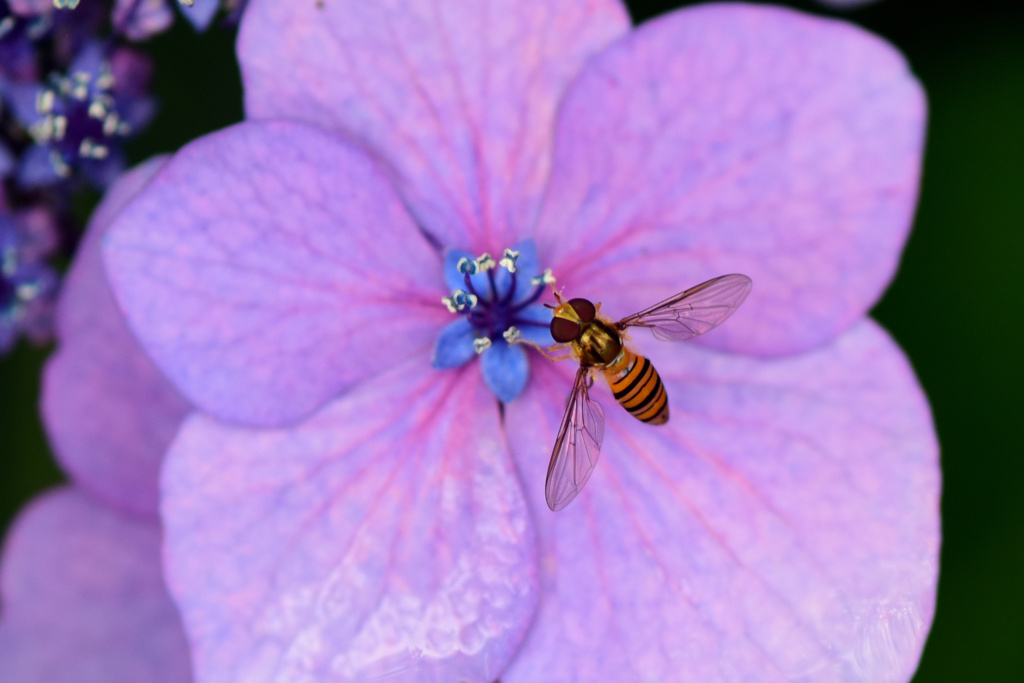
(467, 266)
(546, 278)
(97, 110)
(459, 301)
(481, 344)
(80, 85)
(27, 291)
(6, 24)
(105, 81)
(90, 150)
(44, 101)
(110, 124)
(508, 260)
(59, 167)
(186, 3)
(65, 4)
(463, 299)
(511, 335)
(485, 263)
(60, 127)
(42, 131)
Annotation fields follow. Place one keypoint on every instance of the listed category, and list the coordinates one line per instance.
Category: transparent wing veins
(693, 312)
(577, 445)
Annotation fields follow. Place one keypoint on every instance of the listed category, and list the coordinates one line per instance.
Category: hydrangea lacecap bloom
(81, 582)
(782, 526)
(79, 120)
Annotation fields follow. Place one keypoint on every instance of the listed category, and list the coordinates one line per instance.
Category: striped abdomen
(637, 387)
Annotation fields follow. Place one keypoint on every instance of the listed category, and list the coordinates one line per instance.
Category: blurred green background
(956, 305)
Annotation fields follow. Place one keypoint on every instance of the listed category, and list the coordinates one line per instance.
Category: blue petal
(540, 333)
(89, 59)
(527, 267)
(102, 173)
(21, 99)
(506, 369)
(454, 346)
(36, 170)
(137, 112)
(201, 13)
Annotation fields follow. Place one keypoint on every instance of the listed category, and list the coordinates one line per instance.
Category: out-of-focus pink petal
(738, 139)
(384, 537)
(784, 524)
(30, 7)
(268, 267)
(459, 97)
(84, 598)
(109, 412)
(141, 19)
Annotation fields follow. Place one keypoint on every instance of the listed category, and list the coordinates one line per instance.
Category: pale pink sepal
(84, 598)
(109, 412)
(783, 526)
(384, 538)
(731, 138)
(269, 267)
(458, 97)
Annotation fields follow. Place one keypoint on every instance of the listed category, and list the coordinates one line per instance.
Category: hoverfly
(597, 343)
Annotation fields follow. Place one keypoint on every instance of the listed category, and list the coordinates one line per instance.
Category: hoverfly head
(570, 318)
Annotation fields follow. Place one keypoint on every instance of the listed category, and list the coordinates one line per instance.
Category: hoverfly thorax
(575, 322)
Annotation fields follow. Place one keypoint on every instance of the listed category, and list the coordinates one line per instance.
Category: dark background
(955, 306)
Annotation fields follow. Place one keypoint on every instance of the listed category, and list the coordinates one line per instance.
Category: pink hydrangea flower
(108, 411)
(81, 581)
(343, 510)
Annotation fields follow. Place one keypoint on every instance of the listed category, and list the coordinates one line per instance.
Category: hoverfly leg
(546, 352)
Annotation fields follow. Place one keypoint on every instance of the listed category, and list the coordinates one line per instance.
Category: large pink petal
(738, 139)
(783, 526)
(458, 97)
(269, 267)
(84, 598)
(384, 537)
(109, 413)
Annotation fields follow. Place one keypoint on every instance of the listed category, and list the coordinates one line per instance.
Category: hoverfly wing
(577, 446)
(693, 312)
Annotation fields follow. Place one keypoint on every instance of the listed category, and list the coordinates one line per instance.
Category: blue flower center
(498, 309)
(78, 118)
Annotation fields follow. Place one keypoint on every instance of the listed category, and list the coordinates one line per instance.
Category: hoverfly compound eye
(584, 309)
(564, 330)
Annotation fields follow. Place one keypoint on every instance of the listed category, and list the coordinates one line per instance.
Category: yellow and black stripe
(638, 389)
